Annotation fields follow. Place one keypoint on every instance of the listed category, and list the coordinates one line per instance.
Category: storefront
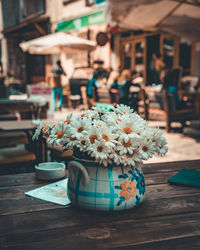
(136, 49)
(23, 66)
(172, 31)
(88, 27)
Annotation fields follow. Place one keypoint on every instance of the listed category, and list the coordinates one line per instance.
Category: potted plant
(109, 148)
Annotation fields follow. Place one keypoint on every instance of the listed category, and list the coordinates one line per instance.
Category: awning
(80, 22)
(57, 43)
(176, 16)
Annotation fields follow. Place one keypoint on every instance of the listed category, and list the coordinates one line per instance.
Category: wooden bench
(16, 160)
(8, 139)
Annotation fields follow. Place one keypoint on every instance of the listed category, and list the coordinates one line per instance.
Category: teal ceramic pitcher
(112, 188)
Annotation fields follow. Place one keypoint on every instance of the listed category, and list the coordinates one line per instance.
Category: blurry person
(157, 65)
(124, 83)
(112, 84)
(112, 79)
(56, 84)
(134, 90)
(95, 83)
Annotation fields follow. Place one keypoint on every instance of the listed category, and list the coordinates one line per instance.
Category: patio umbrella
(57, 43)
(181, 17)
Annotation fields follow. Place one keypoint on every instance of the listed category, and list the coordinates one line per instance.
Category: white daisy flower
(99, 124)
(83, 143)
(123, 109)
(158, 139)
(92, 134)
(116, 157)
(58, 134)
(100, 111)
(127, 147)
(46, 130)
(107, 136)
(37, 131)
(112, 118)
(68, 119)
(163, 150)
(147, 149)
(78, 127)
(126, 130)
(105, 162)
(100, 151)
(132, 158)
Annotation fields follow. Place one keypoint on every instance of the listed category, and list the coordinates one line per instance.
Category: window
(185, 57)
(89, 2)
(31, 7)
(68, 1)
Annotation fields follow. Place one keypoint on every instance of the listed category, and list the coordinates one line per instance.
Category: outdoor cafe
(93, 168)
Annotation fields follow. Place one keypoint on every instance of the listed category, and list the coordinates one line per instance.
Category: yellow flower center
(92, 138)
(83, 142)
(67, 121)
(100, 149)
(145, 148)
(59, 134)
(118, 120)
(126, 144)
(80, 129)
(105, 137)
(128, 130)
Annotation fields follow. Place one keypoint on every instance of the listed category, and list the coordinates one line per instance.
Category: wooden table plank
(17, 125)
(108, 235)
(170, 166)
(69, 217)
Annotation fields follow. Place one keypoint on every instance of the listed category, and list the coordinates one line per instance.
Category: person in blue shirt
(94, 84)
(55, 83)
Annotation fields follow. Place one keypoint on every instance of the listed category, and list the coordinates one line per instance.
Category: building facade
(117, 47)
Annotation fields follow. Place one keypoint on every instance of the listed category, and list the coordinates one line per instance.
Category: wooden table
(25, 125)
(168, 218)
(21, 106)
(39, 147)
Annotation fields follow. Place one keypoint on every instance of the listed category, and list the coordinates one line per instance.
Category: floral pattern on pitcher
(128, 189)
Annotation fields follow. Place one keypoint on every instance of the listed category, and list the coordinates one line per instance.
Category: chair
(103, 95)
(173, 114)
(143, 104)
(16, 160)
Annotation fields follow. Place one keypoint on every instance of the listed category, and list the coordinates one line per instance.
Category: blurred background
(80, 53)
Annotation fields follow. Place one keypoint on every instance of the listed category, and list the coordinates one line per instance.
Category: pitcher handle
(78, 165)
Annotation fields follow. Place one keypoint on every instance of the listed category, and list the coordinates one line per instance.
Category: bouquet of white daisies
(118, 136)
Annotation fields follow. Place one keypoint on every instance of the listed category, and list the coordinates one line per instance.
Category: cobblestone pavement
(180, 147)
